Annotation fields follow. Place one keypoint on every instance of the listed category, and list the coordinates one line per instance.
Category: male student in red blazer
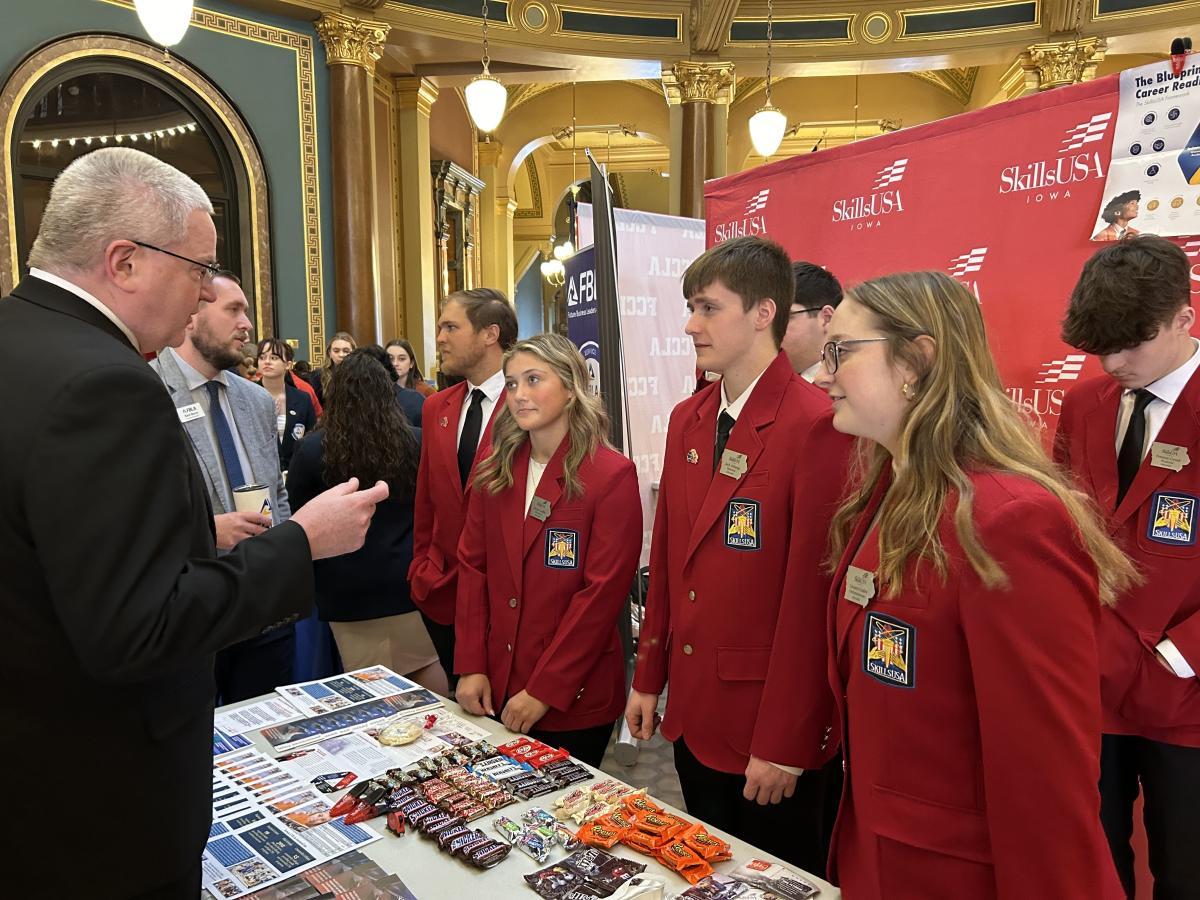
(1132, 440)
(475, 327)
(736, 613)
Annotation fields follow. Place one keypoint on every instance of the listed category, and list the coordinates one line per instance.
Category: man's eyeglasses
(831, 353)
(209, 271)
(805, 309)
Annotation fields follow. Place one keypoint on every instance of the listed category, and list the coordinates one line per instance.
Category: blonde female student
(548, 556)
(962, 619)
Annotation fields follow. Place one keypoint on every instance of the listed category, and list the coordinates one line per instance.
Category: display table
(433, 875)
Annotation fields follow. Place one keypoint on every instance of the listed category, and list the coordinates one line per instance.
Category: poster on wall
(653, 251)
(1153, 183)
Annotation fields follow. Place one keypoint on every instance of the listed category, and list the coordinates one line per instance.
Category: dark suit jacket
(113, 600)
(301, 419)
(410, 404)
(371, 582)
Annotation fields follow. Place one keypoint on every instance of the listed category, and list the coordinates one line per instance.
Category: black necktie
(1129, 459)
(725, 423)
(468, 443)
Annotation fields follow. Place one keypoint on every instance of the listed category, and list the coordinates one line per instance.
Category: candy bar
(597, 835)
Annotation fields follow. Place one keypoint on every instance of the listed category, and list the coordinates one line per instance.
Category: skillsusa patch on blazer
(741, 524)
(562, 548)
(890, 650)
(1172, 519)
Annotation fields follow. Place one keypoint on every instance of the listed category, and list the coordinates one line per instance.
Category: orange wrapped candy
(641, 803)
(707, 847)
(598, 835)
(662, 824)
(678, 856)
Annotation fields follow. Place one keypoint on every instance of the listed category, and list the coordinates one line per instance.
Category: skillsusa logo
(1065, 369)
(753, 220)
(868, 210)
(964, 269)
(1049, 179)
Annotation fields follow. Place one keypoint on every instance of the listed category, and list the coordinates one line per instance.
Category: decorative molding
(807, 136)
(711, 20)
(1050, 65)
(489, 153)
(366, 4)
(689, 81)
(351, 42)
(414, 92)
(958, 83)
(534, 210)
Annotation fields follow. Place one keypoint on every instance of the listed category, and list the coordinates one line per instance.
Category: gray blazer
(254, 418)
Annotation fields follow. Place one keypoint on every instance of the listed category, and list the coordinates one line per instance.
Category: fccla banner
(1003, 199)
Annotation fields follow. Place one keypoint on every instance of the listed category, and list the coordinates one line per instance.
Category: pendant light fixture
(768, 124)
(486, 96)
(166, 21)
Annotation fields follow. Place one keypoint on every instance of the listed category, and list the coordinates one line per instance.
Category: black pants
(1170, 777)
(585, 744)
(256, 666)
(443, 642)
(791, 829)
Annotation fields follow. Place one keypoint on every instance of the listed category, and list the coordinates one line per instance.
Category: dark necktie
(725, 423)
(468, 443)
(1129, 459)
(229, 455)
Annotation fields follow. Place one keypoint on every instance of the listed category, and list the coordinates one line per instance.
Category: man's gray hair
(117, 193)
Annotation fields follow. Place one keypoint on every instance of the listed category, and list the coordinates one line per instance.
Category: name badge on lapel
(733, 464)
(1169, 456)
(190, 412)
(860, 586)
(539, 508)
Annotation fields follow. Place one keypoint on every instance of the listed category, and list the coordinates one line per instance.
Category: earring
(908, 392)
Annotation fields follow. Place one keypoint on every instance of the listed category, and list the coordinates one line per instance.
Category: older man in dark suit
(114, 600)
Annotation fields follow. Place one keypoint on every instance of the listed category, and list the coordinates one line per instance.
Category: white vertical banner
(653, 251)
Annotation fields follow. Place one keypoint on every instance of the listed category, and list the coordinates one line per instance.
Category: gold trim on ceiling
(967, 32)
(620, 38)
(1098, 16)
(888, 30)
(958, 83)
(850, 17)
(453, 17)
(534, 211)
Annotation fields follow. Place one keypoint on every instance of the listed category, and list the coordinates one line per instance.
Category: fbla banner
(583, 323)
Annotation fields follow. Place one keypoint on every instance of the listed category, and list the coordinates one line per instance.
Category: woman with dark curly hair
(364, 595)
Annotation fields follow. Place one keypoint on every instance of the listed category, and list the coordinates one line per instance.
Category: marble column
(352, 47)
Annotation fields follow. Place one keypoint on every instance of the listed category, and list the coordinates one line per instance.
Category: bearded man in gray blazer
(235, 442)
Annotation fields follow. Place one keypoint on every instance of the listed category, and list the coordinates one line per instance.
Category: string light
(133, 136)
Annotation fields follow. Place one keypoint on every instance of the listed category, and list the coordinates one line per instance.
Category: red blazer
(539, 602)
(973, 715)
(302, 385)
(441, 506)
(735, 616)
(1140, 696)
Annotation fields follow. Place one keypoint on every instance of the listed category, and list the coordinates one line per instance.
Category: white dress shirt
(532, 480)
(89, 300)
(1166, 391)
(492, 389)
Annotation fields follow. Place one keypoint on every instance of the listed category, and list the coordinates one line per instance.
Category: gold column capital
(489, 153)
(689, 81)
(351, 42)
(415, 92)
(1054, 64)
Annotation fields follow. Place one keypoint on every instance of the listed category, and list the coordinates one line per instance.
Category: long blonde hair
(327, 367)
(961, 419)
(587, 420)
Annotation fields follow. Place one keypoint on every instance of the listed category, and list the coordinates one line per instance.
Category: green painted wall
(261, 81)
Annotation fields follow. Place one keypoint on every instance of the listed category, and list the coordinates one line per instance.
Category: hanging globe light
(165, 21)
(486, 96)
(766, 129)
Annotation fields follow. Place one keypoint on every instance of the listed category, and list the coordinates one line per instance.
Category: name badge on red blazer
(562, 548)
(742, 530)
(889, 653)
(1172, 519)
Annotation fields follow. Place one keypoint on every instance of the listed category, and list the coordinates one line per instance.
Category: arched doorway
(128, 95)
